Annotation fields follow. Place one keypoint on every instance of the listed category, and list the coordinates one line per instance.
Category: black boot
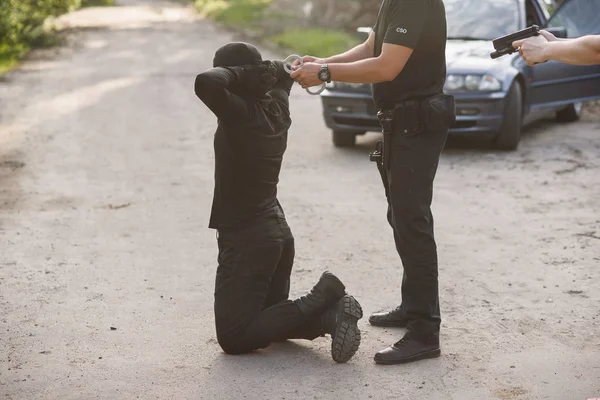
(328, 291)
(340, 321)
(412, 347)
(395, 318)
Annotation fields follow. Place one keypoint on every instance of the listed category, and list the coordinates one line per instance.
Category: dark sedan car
(494, 97)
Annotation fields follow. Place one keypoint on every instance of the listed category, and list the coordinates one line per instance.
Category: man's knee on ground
(232, 347)
(240, 344)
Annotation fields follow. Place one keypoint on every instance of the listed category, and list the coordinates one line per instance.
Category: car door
(556, 84)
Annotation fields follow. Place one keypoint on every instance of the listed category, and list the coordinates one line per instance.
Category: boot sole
(420, 356)
(347, 335)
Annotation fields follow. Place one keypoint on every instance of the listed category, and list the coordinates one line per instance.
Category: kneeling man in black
(249, 97)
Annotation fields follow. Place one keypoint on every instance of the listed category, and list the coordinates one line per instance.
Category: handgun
(503, 45)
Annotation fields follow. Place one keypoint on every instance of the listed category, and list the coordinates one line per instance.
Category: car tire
(510, 133)
(344, 138)
(571, 113)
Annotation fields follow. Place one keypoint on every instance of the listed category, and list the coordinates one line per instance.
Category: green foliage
(6, 62)
(97, 3)
(315, 41)
(21, 24)
(234, 12)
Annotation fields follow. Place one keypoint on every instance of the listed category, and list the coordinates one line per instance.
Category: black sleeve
(212, 88)
(281, 89)
(406, 21)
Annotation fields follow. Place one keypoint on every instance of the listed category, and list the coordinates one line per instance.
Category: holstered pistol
(386, 119)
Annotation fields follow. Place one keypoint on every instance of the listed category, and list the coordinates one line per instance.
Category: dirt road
(107, 265)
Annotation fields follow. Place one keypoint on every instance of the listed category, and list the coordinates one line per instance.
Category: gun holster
(382, 152)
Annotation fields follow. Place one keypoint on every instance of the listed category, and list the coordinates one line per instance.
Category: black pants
(414, 156)
(252, 287)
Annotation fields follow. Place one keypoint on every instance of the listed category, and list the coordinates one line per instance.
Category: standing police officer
(404, 59)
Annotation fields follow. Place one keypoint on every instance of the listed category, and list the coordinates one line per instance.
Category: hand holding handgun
(504, 45)
(533, 50)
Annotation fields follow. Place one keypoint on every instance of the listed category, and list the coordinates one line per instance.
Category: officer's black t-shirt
(249, 144)
(419, 25)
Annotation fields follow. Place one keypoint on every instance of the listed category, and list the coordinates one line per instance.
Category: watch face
(324, 74)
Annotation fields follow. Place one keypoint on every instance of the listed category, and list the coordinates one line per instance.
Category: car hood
(465, 56)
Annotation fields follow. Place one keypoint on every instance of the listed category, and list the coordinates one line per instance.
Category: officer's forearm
(581, 51)
(356, 53)
(370, 70)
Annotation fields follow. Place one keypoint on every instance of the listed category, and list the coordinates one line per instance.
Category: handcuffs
(287, 66)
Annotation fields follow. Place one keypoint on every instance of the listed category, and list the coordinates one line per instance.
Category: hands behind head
(256, 79)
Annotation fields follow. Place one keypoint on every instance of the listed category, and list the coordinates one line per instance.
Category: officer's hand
(310, 59)
(307, 59)
(307, 75)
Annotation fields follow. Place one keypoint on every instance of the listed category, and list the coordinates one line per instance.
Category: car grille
(463, 124)
(371, 110)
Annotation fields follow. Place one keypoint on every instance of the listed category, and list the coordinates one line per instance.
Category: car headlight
(471, 82)
(489, 83)
(454, 82)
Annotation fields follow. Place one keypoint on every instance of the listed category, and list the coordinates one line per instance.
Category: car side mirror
(559, 31)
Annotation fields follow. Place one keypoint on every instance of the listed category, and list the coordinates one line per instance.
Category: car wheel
(344, 138)
(570, 113)
(510, 133)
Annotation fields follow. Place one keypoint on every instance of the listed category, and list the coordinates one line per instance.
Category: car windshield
(481, 20)
(579, 18)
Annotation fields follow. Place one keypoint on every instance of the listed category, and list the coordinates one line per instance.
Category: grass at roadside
(97, 3)
(251, 14)
(315, 41)
(9, 56)
(235, 13)
(22, 26)
(7, 64)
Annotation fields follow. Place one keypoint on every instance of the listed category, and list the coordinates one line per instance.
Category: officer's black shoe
(328, 291)
(395, 318)
(341, 322)
(412, 347)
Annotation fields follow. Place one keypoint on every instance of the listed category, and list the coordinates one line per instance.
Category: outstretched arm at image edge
(580, 51)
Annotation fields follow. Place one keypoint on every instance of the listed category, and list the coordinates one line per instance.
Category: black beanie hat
(236, 54)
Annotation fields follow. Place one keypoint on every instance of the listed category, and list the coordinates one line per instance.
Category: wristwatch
(324, 74)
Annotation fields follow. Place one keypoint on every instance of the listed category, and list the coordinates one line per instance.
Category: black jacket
(249, 144)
